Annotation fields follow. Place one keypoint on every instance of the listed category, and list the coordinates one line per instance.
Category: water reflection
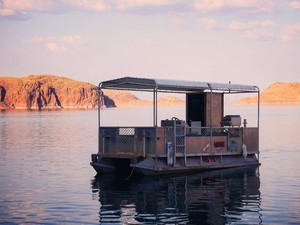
(215, 197)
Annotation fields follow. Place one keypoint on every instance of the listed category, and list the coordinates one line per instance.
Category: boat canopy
(163, 85)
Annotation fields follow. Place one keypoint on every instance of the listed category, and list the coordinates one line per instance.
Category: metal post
(174, 143)
(184, 133)
(117, 135)
(245, 122)
(156, 107)
(153, 103)
(99, 105)
(210, 119)
(258, 114)
(103, 142)
(144, 143)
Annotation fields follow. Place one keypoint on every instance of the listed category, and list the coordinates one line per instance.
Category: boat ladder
(179, 141)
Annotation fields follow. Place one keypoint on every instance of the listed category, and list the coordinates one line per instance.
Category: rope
(131, 173)
(127, 178)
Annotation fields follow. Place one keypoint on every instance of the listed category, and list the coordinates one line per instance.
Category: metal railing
(214, 131)
(124, 141)
(139, 141)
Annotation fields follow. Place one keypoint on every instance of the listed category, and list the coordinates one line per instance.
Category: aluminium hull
(158, 166)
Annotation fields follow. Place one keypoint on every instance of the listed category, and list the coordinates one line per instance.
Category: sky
(254, 42)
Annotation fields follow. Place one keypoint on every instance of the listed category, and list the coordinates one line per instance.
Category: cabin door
(196, 108)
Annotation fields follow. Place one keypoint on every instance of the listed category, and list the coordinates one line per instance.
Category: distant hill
(277, 93)
(54, 92)
(126, 99)
(48, 92)
(170, 101)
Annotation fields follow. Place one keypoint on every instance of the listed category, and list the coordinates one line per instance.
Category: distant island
(55, 92)
(277, 93)
(47, 92)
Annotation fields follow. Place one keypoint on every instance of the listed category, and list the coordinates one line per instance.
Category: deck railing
(125, 141)
(141, 141)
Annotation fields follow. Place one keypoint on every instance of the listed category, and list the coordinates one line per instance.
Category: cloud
(208, 23)
(54, 47)
(294, 4)
(22, 9)
(258, 30)
(239, 26)
(57, 44)
(13, 7)
(177, 19)
(6, 12)
(247, 6)
(291, 33)
(88, 5)
(259, 35)
(24, 5)
(130, 4)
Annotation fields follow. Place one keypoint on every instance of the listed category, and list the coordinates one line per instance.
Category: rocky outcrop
(277, 93)
(48, 92)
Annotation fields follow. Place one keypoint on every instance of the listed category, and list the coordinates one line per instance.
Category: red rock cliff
(48, 92)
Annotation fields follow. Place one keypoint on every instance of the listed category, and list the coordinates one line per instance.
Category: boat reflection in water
(214, 197)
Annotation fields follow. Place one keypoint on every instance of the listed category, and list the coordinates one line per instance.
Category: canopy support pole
(100, 93)
(155, 107)
(258, 115)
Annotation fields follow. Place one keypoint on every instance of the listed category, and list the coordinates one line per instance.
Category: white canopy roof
(146, 84)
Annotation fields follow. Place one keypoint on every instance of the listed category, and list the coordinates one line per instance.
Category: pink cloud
(208, 23)
(239, 26)
(27, 5)
(177, 19)
(6, 12)
(23, 9)
(257, 30)
(54, 47)
(129, 4)
(88, 5)
(291, 33)
(259, 35)
(294, 4)
(23, 5)
(253, 6)
(59, 44)
(9, 8)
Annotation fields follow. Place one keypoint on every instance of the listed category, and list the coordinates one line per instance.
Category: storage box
(231, 120)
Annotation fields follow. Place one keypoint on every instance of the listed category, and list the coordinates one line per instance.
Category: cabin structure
(206, 139)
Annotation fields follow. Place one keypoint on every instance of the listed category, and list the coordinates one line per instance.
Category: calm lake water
(45, 176)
